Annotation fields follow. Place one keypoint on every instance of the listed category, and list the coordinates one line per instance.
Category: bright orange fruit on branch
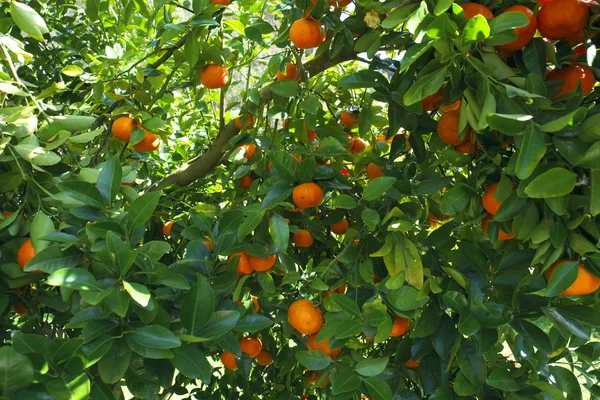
(339, 228)
(560, 19)
(306, 33)
(571, 76)
(473, 9)
(490, 203)
(374, 171)
(585, 283)
(322, 346)
(222, 2)
(229, 361)
(307, 195)
(525, 33)
(122, 127)
(214, 76)
(25, 254)
(433, 101)
(244, 120)
(303, 238)
(264, 358)
(348, 119)
(291, 72)
(261, 264)
(167, 228)
(451, 107)
(447, 128)
(150, 142)
(305, 317)
(251, 346)
(412, 363)
(243, 266)
(400, 326)
(246, 182)
(249, 148)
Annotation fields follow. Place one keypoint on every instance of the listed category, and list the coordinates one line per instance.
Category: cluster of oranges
(122, 128)
(253, 348)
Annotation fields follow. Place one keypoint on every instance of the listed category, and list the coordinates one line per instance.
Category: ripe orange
(348, 119)
(228, 360)
(585, 283)
(451, 107)
(473, 9)
(256, 305)
(264, 358)
(244, 120)
(311, 135)
(435, 221)
(223, 2)
(313, 377)
(20, 309)
(339, 228)
(214, 76)
(400, 326)
(571, 76)
(412, 363)
(250, 149)
(261, 264)
(468, 147)
(501, 234)
(150, 142)
(322, 346)
(358, 145)
(306, 33)
(525, 33)
(303, 238)
(305, 317)
(447, 128)
(251, 346)
(491, 204)
(208, 243)
(433, 101)
(374, 171)
(307, 195)
(167, 228)
(291, 72)
(243, 266)
(25, 254)
(7, 213)
(340, 290)
(246, 181)
(122, 127)
(560, 19)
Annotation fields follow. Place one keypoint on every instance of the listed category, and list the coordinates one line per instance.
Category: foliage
(110, 302)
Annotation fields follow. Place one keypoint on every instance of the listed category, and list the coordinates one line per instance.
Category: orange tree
(283, 200)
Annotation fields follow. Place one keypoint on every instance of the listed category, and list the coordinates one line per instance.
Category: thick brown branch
(203, 164)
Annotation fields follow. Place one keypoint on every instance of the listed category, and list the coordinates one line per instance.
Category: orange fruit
(374, 171)
(122, 127)
(20, 309)
(261, 264)
(322, 346)
(491, 204)
(571, 76)
(291, 72)
(256, 305)
(246, 181)
(128, 183)
(243, 120)
(214, 76)
(340, 290)
(560, 19)
(208, 243)
(435, 221)
(7, 213)
(525, 33)
(501, 234)
(313, 377)
(243, 266)
(264, 358)
(150, 142)
(250, 149)
(303, 238)
(433, 101)
(400, 326)
(306, 33)
(167, 228)
(339, 228)
(307, 195)
(305, 317)
(251, 346)
(348, 119)
(585, 283)
(25, 254)
(447, 128)
(358, 145)
(468, 147)
(311, 135)
(228, 360)
(473, 9)
(411, 363)
(451, 107)
(222, 2)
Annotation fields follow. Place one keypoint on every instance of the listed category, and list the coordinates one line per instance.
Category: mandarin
(261, 264)
(291, 72)
(303, 238)
(251, 346)
(307, 195)
(524, 33)
(473, 9)
(339, 228)
(447, 128)
(305, 317)
(122, 127)
(585, 283)
(400, 326)
(560, 19)
(322, 346)
(214, 76)
(306, 33)
(374, 171)
(229, 360)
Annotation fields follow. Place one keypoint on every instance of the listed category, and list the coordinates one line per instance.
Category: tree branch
(203, 164)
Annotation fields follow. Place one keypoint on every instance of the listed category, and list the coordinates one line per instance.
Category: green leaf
(41, 226)
(74, 278)
(113, 365)
(595, 193)
(265, 280)
(530, 152)
(502, 379)
(77, 388)
(471, 364)
(84, 192)
(252, 220)
(425, 86)
(197, 307)
(566, 381)
(252, 323)
(344, 201)
(476, 30)
(377, 187)
(399, 15)
(378, 388)
(371, 366)
(286, 166)
(219, 324)
(192, 363)
(564, 275)
(554, 182)
(16, 371)
(347, 305)
(139, 293)
(147, 352)
(363, 79)
(507, 21)
(286, 88)
(371, 218)
(28, 20)
(591, 158)
(454, 200)
(54, 258)
(532, 334)
(585, 315)
(410, 261)
(570, 119)
(313, 359)
(345, 381)
(72, 70)
(280, 232)
(428, 322)
(119, 254)
(510, 124)
(155, 336)
(109, 180)
(141, 209)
